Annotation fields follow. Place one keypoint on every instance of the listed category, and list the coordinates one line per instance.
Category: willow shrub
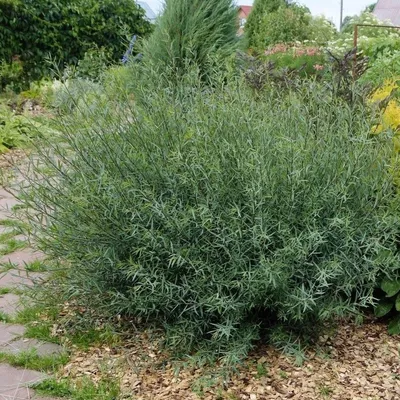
(214, 212)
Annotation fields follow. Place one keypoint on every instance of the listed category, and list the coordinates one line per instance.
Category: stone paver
(5, 229)
(8, 333)
(8, 203)
(22, 257)
(9, 304)
(14, 382)
(42, 348)
(4, 194)
(22, 238)
(17, 278)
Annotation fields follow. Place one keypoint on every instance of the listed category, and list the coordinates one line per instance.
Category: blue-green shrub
(212, 212)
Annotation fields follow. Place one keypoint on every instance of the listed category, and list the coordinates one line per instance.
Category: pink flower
(318, 67)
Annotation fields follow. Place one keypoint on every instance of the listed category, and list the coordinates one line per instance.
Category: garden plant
(222, 198)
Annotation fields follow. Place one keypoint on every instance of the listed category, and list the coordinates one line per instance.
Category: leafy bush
(213, 212)
(386, 97)
(286, 25)
(390, 302)
(254, 22)
(11, 75)
(201, 33)
(65, 30)
(93, 64)
(372, 41)
(322, 30)
(280, 22)
(15, 130)
(385, 67)
(65, 97)
(386, 102)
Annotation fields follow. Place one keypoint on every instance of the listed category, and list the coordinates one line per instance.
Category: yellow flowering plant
(385, 100)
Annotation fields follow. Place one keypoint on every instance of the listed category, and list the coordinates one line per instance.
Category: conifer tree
(192, 32)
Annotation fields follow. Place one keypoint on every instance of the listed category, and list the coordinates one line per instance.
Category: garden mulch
(360, 362)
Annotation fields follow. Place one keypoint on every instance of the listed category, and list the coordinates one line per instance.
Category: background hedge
(33, 30)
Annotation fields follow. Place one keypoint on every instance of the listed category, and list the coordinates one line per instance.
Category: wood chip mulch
(358, 363)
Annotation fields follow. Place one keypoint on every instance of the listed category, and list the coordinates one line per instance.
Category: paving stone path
(15, 383)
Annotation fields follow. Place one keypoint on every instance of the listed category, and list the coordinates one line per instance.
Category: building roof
(150, 14)
(388, 10)
(246, 9)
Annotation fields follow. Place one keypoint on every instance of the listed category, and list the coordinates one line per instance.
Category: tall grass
(213, 213)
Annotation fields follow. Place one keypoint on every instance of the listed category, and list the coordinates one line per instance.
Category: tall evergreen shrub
(192, 32)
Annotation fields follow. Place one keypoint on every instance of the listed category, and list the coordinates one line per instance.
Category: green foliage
(372, 41)
(212, 211)
(66, 96)
(389, 303)
(385, 68)
(31, 360)
(65, 30)
(306, 60)
(93, 64)
(254, 22)
(192, 32)
(370, 8)
(286, 25)
(11, 75)
(82, 389)
(322, 30)
(15, 130)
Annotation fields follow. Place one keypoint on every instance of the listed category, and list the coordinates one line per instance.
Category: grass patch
(41, 332)
(5, 290)
(325, 391)
(18, 207)
(83, 389)
(39, 321)
(4, 237)
(262, 370)
(7, 266)
(31, 360)
(36, 266)
(35, 314)
(12, 245)
(14, 223)
(4, 317)
(90, 337)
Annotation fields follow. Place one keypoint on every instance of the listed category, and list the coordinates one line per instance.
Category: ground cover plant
(216, 213)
